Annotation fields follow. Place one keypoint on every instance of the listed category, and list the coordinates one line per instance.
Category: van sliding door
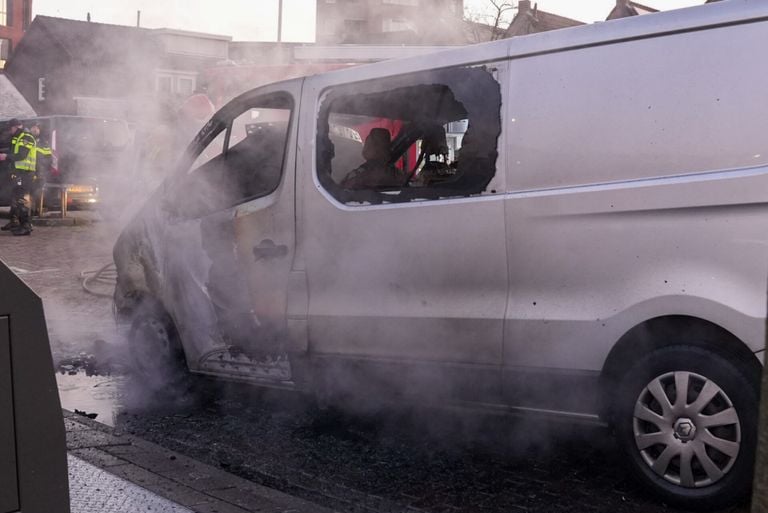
(403, 235)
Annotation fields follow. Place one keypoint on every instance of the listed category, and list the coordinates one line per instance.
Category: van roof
(714, 14)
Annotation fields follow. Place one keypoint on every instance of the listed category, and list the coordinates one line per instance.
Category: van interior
(436, 136)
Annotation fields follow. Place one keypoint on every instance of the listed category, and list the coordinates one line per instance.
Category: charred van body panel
(596, 201)
(539, 299)
(196, 234)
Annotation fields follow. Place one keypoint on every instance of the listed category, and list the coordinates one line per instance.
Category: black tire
(663, 371)
(156, 353)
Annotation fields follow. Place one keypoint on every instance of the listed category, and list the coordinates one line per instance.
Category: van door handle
(268, 250)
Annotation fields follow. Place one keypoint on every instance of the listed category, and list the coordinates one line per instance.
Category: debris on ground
(100, 361)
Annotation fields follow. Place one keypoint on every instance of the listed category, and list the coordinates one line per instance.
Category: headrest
(376, 145)
(434, 141)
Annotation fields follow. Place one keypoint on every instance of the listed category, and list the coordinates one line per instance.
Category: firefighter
(24, 152)
(44, 170)
(12, 127)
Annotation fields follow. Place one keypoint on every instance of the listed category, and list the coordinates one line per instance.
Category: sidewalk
(114, 472)
(93, 490)
(74, 217)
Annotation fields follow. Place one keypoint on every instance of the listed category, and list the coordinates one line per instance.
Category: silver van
(569, 224)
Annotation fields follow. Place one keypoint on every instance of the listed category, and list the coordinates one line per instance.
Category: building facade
(15, 17)
(529, 19)
(67, 66)
(389, 21)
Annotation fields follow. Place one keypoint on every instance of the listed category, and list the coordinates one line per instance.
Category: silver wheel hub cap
(686, 429)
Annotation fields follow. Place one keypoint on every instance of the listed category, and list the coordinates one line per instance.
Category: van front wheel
(155, 348)
(686, 419)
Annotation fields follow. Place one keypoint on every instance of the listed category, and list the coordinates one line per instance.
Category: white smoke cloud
(244, 20)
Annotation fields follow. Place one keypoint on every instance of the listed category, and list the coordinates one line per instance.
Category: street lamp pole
(279, 21)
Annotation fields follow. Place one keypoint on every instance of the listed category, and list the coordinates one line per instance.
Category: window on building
(395, 25)
(429, 135)
(5, 51)
(170, 83)
(401, 2)
(27, 13)
(164, 84)
(185, 86)
(5, 12)
(42, 90)
(354, 26)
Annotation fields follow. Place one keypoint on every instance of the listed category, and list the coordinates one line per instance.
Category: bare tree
(490, 23)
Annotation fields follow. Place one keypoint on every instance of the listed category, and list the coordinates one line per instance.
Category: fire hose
(106, 275)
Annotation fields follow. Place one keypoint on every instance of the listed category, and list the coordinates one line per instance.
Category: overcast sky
(256, 20)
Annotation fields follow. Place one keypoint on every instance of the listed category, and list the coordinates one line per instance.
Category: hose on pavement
(106, 275)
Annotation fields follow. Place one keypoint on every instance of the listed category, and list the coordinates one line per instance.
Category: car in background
(85, 151)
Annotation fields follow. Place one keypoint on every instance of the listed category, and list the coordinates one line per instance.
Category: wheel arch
(665, 331)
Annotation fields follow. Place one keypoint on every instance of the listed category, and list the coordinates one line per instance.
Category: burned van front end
(202, 271)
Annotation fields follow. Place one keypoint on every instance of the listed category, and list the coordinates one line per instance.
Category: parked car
(596, 252)
(85, 149)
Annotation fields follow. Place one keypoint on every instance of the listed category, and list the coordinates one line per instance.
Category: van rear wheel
(686, 420)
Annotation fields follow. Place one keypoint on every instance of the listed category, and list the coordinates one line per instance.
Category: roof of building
(479, 32)
(530, 20)
(165, 31)
(12, 103)
(100, 44)
(625, 8)
(94, 43)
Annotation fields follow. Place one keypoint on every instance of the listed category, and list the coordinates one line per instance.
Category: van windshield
(85, 135)
(243, 160)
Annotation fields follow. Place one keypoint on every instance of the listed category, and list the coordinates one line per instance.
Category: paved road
(402, 461)
(417, 461)
(50, 261)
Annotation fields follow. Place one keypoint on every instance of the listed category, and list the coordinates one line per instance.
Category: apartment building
(65, 66)
(389, 21)
(15, 17)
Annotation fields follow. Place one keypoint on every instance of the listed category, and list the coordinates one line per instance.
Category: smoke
(378, 291)
(185, 251)
(117, 139)
(242, 19)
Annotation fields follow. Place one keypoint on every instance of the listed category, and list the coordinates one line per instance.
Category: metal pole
(760, 481)
(279, 20)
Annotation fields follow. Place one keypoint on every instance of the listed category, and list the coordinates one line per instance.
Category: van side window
(427, 135)
(242, 161)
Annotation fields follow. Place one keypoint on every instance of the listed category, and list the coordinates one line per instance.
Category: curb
(47, 220)
(194, 485)
(67, 221)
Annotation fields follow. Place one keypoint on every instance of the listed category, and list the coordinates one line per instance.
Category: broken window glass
(428, 135)
(242, 161)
